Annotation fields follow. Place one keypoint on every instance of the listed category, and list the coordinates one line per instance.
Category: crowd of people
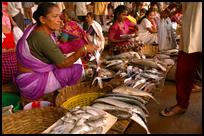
(58, 34)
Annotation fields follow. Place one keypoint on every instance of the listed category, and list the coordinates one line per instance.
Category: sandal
(171, 111)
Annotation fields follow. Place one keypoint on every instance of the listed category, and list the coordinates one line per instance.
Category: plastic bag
(166, 35)
(17, 32)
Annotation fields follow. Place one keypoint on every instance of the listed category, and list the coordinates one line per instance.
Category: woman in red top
(9, 61)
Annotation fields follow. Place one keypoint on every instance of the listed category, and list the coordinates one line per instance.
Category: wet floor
(187, 123)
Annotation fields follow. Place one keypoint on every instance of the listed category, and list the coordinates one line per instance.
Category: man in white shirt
(190, 51)
(81, 10)
(15, 10)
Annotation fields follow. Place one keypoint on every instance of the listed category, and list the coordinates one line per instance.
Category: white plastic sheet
(166, 35)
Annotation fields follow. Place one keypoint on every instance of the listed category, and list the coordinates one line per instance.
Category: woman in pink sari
(122, 26)
(42, 67)
(73, 36)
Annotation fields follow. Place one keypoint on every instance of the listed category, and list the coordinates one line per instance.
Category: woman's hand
(91, 48)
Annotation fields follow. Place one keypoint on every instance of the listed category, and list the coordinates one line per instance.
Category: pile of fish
(80, 120)
(126, 103)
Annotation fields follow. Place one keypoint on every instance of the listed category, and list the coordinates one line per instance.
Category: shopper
(122, 26)
(190, 50)
(15, 10)
(94, 31)
(42, 66)
(73, 36)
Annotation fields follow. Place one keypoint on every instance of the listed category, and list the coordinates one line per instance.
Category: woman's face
(122, 16)
(150, 16)
(89, 19)
(52, 19)
(155, 8)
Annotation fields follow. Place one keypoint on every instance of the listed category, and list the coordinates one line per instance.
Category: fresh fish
(130, 101)
(133, 91)
(152, 76)
(138, 120)
(161, 67)
(162, 56)
(168, 61)
(99, 81)
(153, 71)
(139, 82)
(149, 87)
(105, 73)
(94, 111)
(121, 104)
(114, 63)
(97, 130)
(144, 63)
(96, 123)
(121, 114)
(104, 106)
(125, 96)
(125, 55)
(81, 129)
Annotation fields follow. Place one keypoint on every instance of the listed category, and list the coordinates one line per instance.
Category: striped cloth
(9, 65)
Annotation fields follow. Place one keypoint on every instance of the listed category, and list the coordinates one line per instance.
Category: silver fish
(97, 130)
(121, 114)
(144, 63)
(81, 129)
(126, 55)
(99, 81)
(125, 96)
(130, 101)
(133, 91)
(122, 105)
(138, 120)
(139, 82)
(104, 106)
(96, 123)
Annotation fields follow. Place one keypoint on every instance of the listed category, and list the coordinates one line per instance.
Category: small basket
(33, 121)
(150, 50)
(81, 100)
(71, 91)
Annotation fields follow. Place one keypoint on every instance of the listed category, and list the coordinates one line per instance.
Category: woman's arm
(83, 51)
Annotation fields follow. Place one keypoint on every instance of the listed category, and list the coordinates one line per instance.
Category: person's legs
(185, 73)
(19, 19)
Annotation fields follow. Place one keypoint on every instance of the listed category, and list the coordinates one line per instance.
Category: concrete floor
(187, 123)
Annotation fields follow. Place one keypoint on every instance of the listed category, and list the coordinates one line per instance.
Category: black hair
(42, 10)
(157, 4)
(146, 14)
(120, 9)
(90, 14)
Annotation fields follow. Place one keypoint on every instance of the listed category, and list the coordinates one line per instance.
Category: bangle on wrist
(85, 50)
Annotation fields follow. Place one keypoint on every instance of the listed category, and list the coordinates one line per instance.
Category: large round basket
(80, 94)
(33, 121)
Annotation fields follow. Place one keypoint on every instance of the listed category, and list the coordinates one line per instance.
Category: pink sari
(80, 38)
(115, 31)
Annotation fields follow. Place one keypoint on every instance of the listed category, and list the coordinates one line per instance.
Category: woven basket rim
(31, 121)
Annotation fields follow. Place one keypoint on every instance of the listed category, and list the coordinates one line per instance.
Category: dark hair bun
(42, 10)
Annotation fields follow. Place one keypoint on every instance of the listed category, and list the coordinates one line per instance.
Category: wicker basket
(71, 91)
(150, 50)
(32, 121)
(81, 100)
